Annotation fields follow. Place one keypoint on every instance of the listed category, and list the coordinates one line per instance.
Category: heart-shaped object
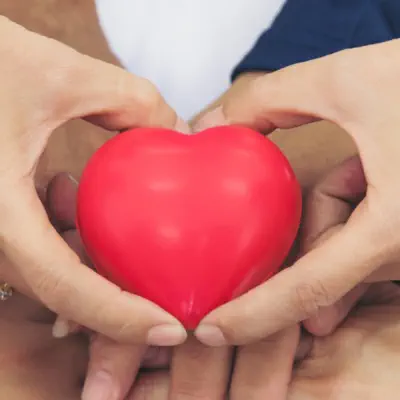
(188, 221)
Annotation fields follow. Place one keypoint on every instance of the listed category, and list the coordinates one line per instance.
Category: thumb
(274, 100)
(327, 208)
(66, 286)
(114, 98)
(318, 279)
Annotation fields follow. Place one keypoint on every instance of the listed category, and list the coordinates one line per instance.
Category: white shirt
(187, 48)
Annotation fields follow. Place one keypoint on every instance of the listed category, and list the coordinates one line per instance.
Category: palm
(359, 360)
(35, 365)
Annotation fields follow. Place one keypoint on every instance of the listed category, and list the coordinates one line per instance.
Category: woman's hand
(357, 90)
(255, 372)
(113, 367)
(45, 84)
(359, 360)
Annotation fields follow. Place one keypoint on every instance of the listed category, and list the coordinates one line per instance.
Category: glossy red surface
(188, 221)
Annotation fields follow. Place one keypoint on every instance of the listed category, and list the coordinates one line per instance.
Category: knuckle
(310, 298)
(52, 288)
(260, 91)
(147, 100)
(52, 291)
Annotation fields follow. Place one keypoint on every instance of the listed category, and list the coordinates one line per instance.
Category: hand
(298, 95)
(358, 360)
(45, 84)
(255, 372)
(112, 367)
(354, 362)
(35, 365)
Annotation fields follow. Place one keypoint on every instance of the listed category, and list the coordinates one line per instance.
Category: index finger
(116, 99)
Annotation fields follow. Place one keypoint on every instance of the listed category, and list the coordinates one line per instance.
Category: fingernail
(166, 335)
(210, 336)
(182, 126)
(61, 328)
(99, 387)
(72, 179)
(212, 119)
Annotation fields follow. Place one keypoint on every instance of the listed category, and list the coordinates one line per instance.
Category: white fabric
(187, 48)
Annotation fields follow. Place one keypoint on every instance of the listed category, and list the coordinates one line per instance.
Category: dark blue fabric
(309, 29)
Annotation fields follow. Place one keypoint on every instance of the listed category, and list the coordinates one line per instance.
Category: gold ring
(6, 291)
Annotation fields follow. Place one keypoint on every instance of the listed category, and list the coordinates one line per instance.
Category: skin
(76, 25)
(304, 148)
(252, 378)
(357, 361)
(366, 242)
(108, 109)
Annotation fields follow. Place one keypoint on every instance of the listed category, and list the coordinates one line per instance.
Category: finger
(330, 204)
(318, 279)
(329, 318)
(304, 347)
(61, 201)
(284, 99)
(157, 358)
(382, 294)
(70, 289)
(63, 327)
(114, 98)
(112, 369)
(263, 369)
(327, 208)
(199, 372)
(389, 272)
(151, 386)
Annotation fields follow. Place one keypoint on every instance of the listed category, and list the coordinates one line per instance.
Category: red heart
(188, 221)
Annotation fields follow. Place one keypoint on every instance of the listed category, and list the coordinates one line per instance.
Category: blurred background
(187, 48)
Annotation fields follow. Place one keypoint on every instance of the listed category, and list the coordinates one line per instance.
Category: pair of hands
(353, 362)
(48, 90)
(358, 361)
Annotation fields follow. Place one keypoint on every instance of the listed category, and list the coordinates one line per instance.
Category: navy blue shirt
(309, 29)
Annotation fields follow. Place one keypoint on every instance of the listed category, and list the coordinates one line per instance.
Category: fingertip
(63, 328)
(60, 328)
(182, 126)
(210, 335)
(61, 200)
(320, 325)
(166, 335)
(211, 119)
